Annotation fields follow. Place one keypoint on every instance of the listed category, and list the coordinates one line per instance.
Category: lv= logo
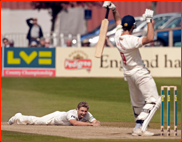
(26, 58)
(29, 58)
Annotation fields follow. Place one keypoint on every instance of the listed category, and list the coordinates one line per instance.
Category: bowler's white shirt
(64, 117)
(128, 47)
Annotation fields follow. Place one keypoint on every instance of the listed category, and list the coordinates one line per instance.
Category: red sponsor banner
(78, 64)
(30, 72)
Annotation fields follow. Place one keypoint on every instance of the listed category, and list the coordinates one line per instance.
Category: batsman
(143, 91)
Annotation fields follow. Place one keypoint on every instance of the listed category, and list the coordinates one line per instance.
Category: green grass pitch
(108, 97)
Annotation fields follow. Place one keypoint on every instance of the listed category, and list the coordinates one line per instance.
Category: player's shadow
(153, 135)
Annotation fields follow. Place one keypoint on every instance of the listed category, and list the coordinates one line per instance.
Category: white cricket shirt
(128, 47)
(64, 117)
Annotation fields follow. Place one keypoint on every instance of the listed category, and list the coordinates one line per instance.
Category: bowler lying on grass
(75, 117)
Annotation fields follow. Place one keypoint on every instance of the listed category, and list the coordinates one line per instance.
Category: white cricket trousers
(33, 120)
(142, 89)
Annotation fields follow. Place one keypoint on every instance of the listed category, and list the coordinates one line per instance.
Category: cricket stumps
(168, 109)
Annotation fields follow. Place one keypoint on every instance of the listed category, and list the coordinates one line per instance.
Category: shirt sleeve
(90, 117)
(71, 115)
(134, 42)
(119, 30)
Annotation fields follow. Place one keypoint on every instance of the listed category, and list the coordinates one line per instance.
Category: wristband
(149, 20)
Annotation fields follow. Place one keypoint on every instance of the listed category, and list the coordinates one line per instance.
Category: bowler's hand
(96, 123)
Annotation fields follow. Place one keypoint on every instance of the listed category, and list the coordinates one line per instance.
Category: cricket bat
(102, 36)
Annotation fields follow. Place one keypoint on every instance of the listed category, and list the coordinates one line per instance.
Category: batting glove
(106, 4)
(110, 5)
(148, 15)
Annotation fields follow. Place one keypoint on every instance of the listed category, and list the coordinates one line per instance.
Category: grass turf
(108, 97)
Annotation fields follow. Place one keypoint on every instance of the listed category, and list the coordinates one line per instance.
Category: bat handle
(107, 13)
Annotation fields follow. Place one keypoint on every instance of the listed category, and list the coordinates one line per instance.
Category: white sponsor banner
(80, 62)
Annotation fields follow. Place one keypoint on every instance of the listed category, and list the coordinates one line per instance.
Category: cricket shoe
(12, 119)
(147, 133)
(138, 132)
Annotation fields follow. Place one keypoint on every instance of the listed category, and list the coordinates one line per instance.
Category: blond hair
(83, 104)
